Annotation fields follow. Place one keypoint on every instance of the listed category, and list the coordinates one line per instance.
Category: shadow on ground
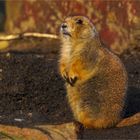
(133, 104)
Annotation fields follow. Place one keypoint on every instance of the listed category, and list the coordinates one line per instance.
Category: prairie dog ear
(95, 32)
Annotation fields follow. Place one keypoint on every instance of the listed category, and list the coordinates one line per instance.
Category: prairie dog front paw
(73, 77)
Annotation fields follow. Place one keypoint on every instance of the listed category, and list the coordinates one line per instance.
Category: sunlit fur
(97, 97)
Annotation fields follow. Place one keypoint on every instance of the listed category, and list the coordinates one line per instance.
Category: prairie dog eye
(79, 21)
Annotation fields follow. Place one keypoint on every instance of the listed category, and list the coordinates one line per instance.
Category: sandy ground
(32, 93)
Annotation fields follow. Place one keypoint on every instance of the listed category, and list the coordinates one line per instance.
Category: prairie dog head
(77, 28)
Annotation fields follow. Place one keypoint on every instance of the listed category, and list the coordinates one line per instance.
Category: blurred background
(117, 21)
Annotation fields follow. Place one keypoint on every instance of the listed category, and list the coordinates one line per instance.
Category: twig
(28, 34)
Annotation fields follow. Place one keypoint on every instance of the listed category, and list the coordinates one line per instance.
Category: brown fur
(96, 80)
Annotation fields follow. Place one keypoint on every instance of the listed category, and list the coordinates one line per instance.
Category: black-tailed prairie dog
(96, 80)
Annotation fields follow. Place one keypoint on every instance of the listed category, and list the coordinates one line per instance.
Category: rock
(44, 132)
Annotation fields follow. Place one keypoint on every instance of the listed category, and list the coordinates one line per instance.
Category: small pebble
(30, 115)
(18, 120)
(8, 54)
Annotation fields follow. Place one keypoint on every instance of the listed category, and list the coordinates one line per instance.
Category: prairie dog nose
(64, 25)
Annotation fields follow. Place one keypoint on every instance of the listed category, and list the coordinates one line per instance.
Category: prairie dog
(96, 80)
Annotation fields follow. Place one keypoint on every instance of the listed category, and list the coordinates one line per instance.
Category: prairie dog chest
(66, 52)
